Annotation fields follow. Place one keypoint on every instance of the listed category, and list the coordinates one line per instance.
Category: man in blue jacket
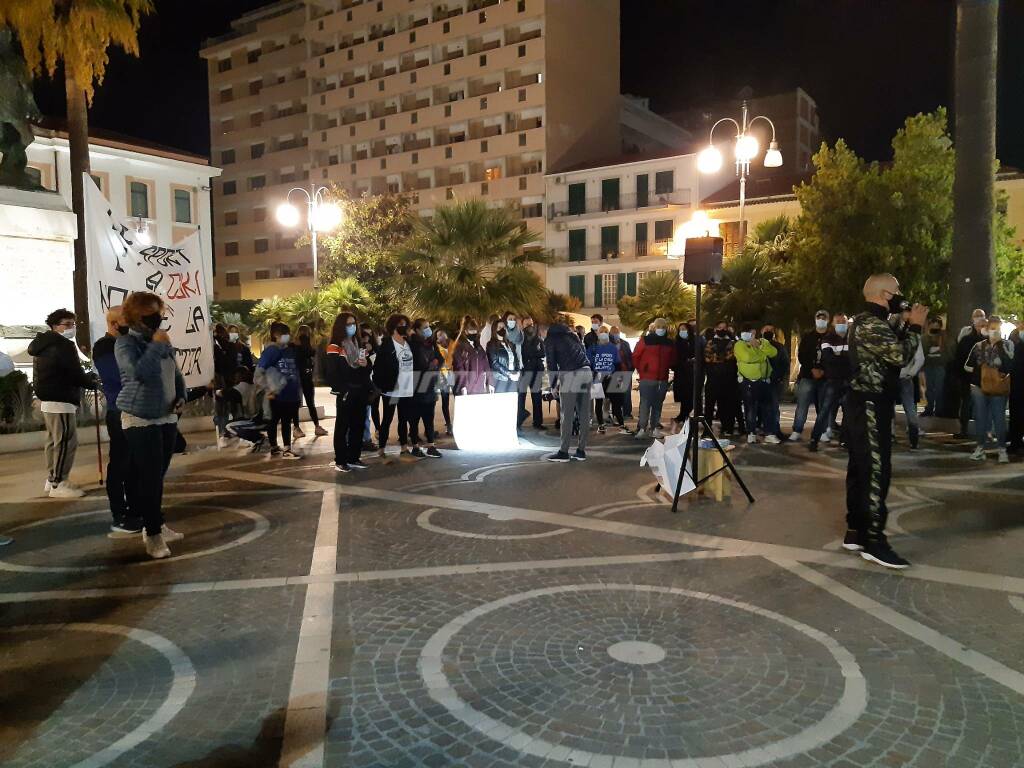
(124, 523)
(571, 374)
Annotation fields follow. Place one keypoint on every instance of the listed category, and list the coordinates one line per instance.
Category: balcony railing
(626, 251)
(628, 202)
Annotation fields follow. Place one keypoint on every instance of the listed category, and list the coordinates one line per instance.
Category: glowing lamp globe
(326, 216)
(287, 215)
(709, 160)
(773, 157)
(144, 236)
(746, 148)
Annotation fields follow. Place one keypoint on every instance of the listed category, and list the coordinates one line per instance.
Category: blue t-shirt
(283, 358)
(604, 358)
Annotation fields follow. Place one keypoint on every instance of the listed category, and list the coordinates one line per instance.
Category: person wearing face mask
(393, 375)
(989, 366)
(370, 341)
(810, 380)
(753, 363)
(532, 381)
(907, 393)
(506, 367)
(682, 381)
(654, 356)
(622, 379)
(225, 363)
(446, 378)
(348, 370)
(967, 339)
(720, 382)
(779, 382)
(590, 338)
(935, 362)
(877, 353)
(58, 380)
(151, 398)
(835, 361)
(469, 360)
(278, 373)
(305, 359)
(604, 361)
(427, 363)
(125, 523)
(572, 380)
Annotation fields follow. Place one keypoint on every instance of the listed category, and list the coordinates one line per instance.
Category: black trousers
(531, 383)
(284, 414)
(446, 407)
(867, 425)
(149, 450)
(422, 411)
(404, 407)
(966, 404)
(720, 394)
(309, 394)
(118, 472)
(349, 426)
(1015, 429)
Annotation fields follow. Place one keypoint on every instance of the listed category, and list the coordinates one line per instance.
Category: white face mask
(995, 335)
(603, 338)
(233, 336)
(747, 336)
(684, 334)
(841, 328)
(595, 326)
(510, 323)
(68, 333)
(820, 324)
(285, 338)
(660, 331)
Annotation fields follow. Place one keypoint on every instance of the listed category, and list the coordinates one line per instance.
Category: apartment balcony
(484, 89)
(630, 251)
(480, 47)
(484, 132)
(384, 112)
(630, 202)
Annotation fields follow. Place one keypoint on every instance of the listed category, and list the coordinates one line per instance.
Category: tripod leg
(682, 470)
(729, 464)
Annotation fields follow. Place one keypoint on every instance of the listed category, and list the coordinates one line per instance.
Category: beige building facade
(440, 101)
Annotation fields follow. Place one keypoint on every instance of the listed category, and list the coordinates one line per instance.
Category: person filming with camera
(877, 353)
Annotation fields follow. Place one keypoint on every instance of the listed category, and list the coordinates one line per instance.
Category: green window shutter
(610, 242)
(577, 245)
(620, 285)
(609, 194)
(577, 199)
(631, 283)
(598, 284)
(577, 288)
(641, 191)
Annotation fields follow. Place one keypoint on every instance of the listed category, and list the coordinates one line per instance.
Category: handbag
(597, 391)
(994, 382)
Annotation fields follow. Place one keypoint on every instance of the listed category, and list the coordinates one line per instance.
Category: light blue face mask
(603, 338)
(684, 334)
(660, 331)
(841, 328)
(427, 332)
(747, 336)
(350, 329)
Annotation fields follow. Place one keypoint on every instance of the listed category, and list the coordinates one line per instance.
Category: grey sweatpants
(574, 401)
(61, 444)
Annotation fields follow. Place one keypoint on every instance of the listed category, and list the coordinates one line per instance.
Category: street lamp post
(745, 149)
(321, 216)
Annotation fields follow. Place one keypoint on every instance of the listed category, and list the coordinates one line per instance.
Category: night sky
(868, 64)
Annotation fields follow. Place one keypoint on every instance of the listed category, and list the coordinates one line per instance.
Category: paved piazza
(498, 610)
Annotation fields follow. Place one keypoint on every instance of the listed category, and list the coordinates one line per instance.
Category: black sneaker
(812, 446)
(852, 541)
(580, 455)
(275, 452)
(433, 453)
(559, 458)
(600, 429)
(357, 464)
(914, 437)
(341, 468)
(880, 552)
(258, 445)
(417, 452)
(124, 530)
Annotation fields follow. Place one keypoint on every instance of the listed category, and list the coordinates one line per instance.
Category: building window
(256, 119)
(483, 17)
(522, 94)
(224, 65)
(227, 157)
(640, 239)
(485, 188)
(256, 150)
(449, 194)
(229, 187)
(230, 218)
(609, 194)
(610, 242)
(578, 287)
(577, 245)
(255, 87)
(225, 95)
(663, 230)
(664, 182)
(522, 139)
(231, 249)
(521, 6)
(609, 290)
(448, 153)
(98, 180)
(252, 57)
(483, 146)
(412, 37)
(257, 182)
(447, 69)
(182, 206)
(262, 274)
(232, 280)
(446, 27)
(492, 173)
(259, 214)
(522, 183)
(641, 190)
(139, 199)
(522, 51)
(261, 245)
(577, 199)
(447, 110)
(483, 60)
(228, 125)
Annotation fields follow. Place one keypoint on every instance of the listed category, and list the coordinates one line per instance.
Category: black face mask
(403, 330)
(123, 330)
(898, 304)
(152, 321)
(721, 334)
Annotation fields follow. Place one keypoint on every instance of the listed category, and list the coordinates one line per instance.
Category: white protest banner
(120, 264)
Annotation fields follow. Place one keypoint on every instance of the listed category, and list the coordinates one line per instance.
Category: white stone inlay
(636, 652)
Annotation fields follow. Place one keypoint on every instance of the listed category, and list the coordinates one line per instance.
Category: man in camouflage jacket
(877, 353)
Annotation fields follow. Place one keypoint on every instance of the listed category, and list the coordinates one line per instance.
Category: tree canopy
(660, 295)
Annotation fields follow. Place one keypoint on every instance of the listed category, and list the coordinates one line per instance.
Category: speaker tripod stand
(699, 426)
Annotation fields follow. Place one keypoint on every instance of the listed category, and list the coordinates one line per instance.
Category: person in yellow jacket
(446, 348)
(753, 355)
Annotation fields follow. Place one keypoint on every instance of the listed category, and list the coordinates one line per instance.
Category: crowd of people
(400, 373)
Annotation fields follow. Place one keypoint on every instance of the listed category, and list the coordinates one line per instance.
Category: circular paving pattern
(424, 522)
(119, 687)
(76, 532)
(606, 671)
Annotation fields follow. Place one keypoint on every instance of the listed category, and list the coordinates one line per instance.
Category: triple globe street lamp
(321, 215)
(745, 149)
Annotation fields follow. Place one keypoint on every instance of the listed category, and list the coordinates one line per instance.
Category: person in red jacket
(653, 358)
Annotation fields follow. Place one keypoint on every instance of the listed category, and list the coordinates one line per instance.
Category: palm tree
(659, 295)
(76, 33)
(305, 308)
(268, 311)
(346, 294)
(469, 259)
(973, 261)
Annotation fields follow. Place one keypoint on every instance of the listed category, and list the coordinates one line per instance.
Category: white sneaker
(170, 535)
(827, 437)
(1003, 456)
(155, 546)
(641, 434)
(772, 439)
(296, 432)
(47, 487)
(978, 455)
(751, 439)
(794, 437)
(66, 490)
(658, 433)
(223, 442)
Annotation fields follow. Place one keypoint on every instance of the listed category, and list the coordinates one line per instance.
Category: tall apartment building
(441, 101)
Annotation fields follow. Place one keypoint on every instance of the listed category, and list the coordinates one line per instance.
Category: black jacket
(305, 361)
(385, 366)
(835, 357)
(57, 374)
(591, 338)
(809, 353)
(683, 368)
(564, 350)
(225, 362)
(963, 351)
(426, 366)
(345, 377)
(533, 351)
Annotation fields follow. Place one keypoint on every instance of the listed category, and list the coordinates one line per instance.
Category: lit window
(140, 199)
(182, 206)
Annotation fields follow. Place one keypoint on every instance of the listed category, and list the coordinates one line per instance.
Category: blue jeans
(807, 391)
(908, 403)
(989, 410)
(831, 398)
(652, 397)
(757, 399)
(934, 382)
